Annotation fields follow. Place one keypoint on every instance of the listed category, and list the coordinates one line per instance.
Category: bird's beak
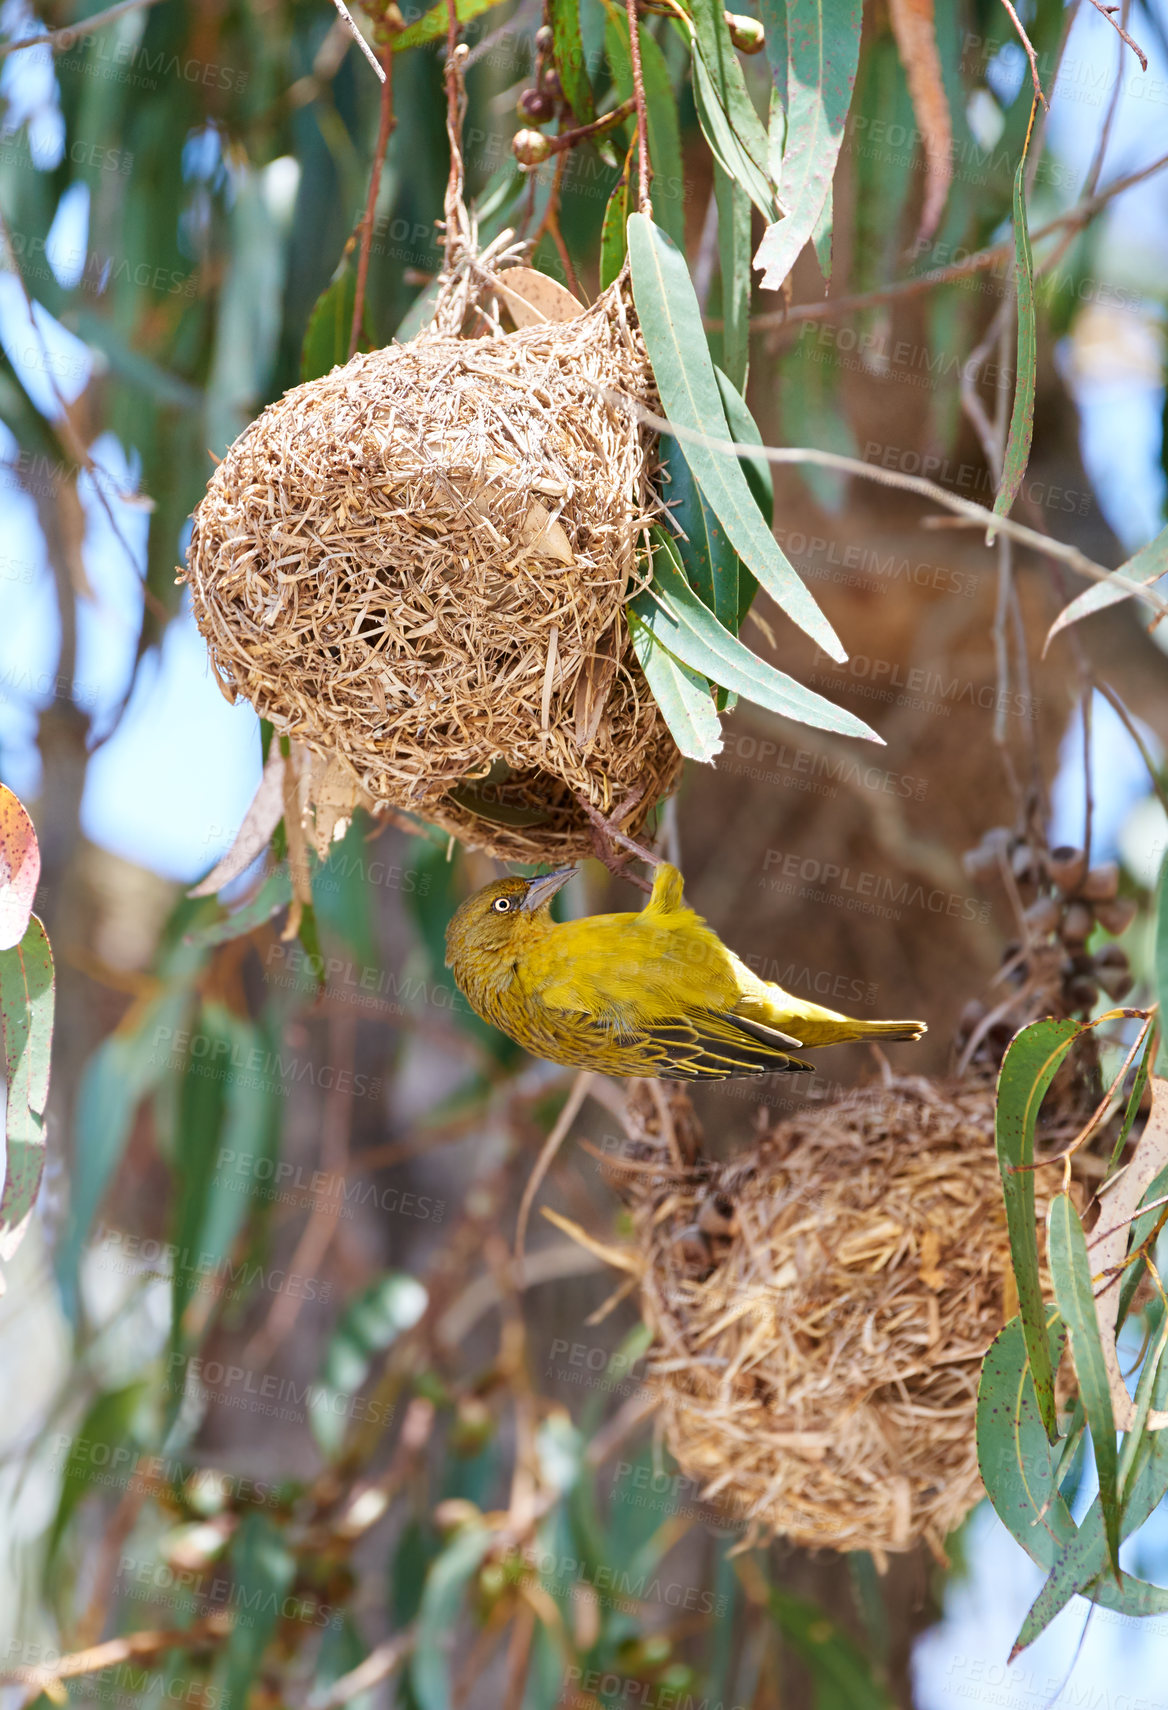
(543, 889)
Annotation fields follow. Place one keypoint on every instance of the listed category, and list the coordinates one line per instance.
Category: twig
(385, 128)
(598, 127)
(1129, 724)
(548, 1151)
(360, 39)
(60, 41)
(643, 168)
(381, 1662)
(1030, 54)
(1108, 13)
(606, 833)
(148, 1643)
(984, 518)
(978, 262)
(454, 208)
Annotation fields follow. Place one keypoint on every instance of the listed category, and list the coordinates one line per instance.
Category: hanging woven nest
(419, 563)
(821, 1307)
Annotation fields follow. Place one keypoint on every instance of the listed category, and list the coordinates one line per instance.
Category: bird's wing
(707, 1046)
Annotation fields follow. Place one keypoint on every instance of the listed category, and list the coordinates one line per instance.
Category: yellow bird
(655, 993)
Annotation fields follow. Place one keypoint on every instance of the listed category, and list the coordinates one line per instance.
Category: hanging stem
(455, 210)
(385, 129)
(643, 172)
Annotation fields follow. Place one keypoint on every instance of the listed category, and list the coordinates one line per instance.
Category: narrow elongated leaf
(1143, 1481)
(1027, 1070)
(671, 322)
(744, 431)
(1160, 967)
(734, 259)
(432, 25)
(109, 1426)
(613, 242)
(27, 995)
(1070, 1271)
(915, 30)
(568, 50)
(1142, 570)
(682, 695)
(842, 1678)
(369, 1325)
(692, 634)
(1021, 433)
(1013, 1451)
(821, 42)
(709, 562)
(717, 52)
(726, 145)
(274, 894)
(442, 1600)
(264, 1569)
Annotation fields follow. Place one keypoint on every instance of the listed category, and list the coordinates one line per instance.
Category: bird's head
(502, 916)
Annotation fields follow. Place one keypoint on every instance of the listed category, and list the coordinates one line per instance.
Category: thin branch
(979, 262)
(643, 168)
(149, 1643)
(1129, 724)
(60, 41)
(360, 39)
(978, 514)
(1108, 13)
(1030, 54)
(381, 1662)
(598, 127)
(543, 1163)
(385, 128)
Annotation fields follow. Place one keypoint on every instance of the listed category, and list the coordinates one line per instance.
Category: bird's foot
(607, 837)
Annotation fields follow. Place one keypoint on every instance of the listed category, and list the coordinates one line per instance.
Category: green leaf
(1133, 1103)
(1070, 1270)
(568, 51)
(1027, 1070)
(1013, 1451)
(814, 49)
(734, 260)
(613, 242)
(432, 25)
(273, 895)
(671, 323)
(264, 1569)
(683, 697)
(369, 1325)
(330, 325)
(1017, 453)
(442, 1601)
(733, 129)
(419, 314)
(841, 1676)
(689, 631)
(27, 994)
(1143, 1477)
(1142, 570)
(813, 414)
(744, 430)
(109, 1425)
(708, 560)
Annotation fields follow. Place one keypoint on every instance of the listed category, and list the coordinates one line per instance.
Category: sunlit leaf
(820, 44)
(568, 50)
(1013, 1451)
(613, 241)
(1141, 571)
(682, 695)
(442, 1600)
(369, 1325)
(20, 868)
(433, 25)
(27, 996)
(672, 326)
(734, 259)
(915, 31)
(1027, 1070)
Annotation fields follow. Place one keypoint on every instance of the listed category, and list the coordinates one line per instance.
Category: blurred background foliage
(269, 1377)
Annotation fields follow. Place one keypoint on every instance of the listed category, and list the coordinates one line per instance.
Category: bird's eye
(501, 905)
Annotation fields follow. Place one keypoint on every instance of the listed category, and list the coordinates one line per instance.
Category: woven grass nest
(821, 1307)
(419, 564)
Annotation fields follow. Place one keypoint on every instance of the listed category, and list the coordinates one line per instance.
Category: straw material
(420, 561)
(821, 1307)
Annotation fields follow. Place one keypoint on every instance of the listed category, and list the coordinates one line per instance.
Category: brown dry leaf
(930, 1272)
(334, 793)
(1107, 1246)
(916, 41)
(532, 297)
(259, 822)
(542, 533)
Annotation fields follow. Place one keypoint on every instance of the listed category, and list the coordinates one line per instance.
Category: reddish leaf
(20, 868)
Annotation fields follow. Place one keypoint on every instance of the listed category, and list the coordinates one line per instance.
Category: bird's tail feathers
(890, 1029)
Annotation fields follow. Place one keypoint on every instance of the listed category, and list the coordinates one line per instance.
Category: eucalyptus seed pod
(531, 148)
(1101, 883)
(1067, 867)
(1077, 923)
(1116, 916)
